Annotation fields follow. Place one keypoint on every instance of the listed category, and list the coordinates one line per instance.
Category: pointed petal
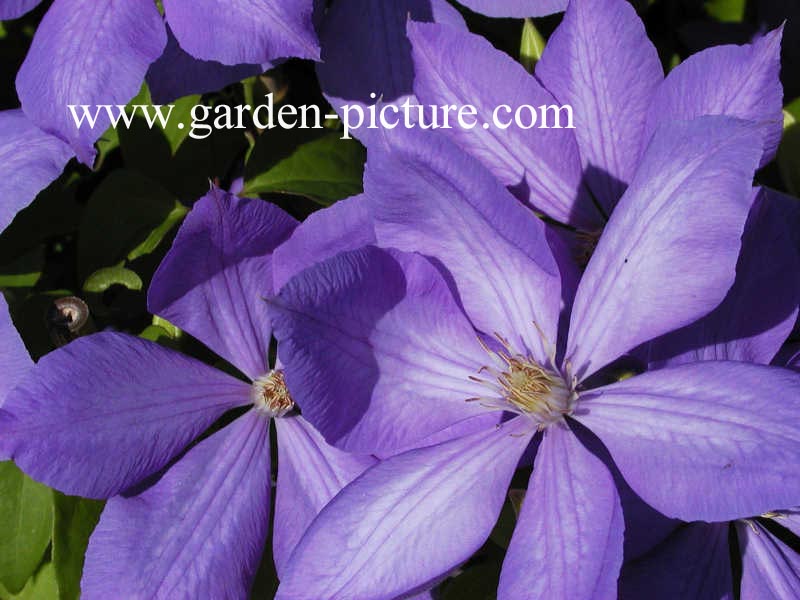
(375, 350)
(102, 413)
(213, 281)
(571, 516)
(407, 521)
(770, 569)
(516, 8)
(310, 473)
(661, 262)
(738, 81)
(177, 73)
(694, 562)
(243, 31)
(87, 53)
(366, 57)
(430, 197)
(14, 358)
(198, 532)
(459, 68)
(600, 62)
(345, 225)
(710, 441)
(30, 159)
(760, 310)
(14, 9)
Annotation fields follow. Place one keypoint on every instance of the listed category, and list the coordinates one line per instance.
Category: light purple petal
(568, 539)
(760, 310)
(668, 255)
(243, 31)
(738, 81)
(214, 279)
(102, 413)
(407, 521)
(430, 197)
(13, 9)
(375, 350)
(92, 53)
(770, 569)
(345, 225)
(460, 68)
(199, 532)
(365, 51)
(177, 73)
(694, 562)
(709, 441)
(310, 473)
(29, 161)
(600, 62)
(14, 358)
(516, 8)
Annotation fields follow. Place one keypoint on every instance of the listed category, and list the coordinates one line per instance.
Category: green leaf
(102, 279)
(73, 522)
(42, 586)
(23, 271)
(326, 169)
(729, 11)
(128, 215)
(26, 517)
(531, 47)
(789, 150)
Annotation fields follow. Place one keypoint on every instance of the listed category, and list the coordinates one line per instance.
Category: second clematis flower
(441, 351)
(114, 416)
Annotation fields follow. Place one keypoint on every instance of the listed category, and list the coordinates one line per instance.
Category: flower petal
(664, 260)
(214, 279)
(516, 8)
(738, 81)
(694, 562)
(310, 473)
(345, 225)
(407, 521)
(708, 441)
(761, 308)
(243, 31)
(88, 53)
(366, 57)
(375, 351)
(30, 159)
(15, 361)
(571, 516)
(14, 9)
(430, 197)
(198, 532)
(600, 62)
(99, 415)
(459, 68)
(177, 73)
(770, 569)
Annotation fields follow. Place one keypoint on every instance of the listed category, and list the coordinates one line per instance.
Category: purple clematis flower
(89, 52)
(601, 63)
(114, 416)
(447, 365)
(30, 159)
(516, 8)
(366, 55)
(750, 325)
(16, 361)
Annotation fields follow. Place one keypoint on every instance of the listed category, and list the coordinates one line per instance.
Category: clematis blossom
(443, 345)
(114, 416)
(600, 62)
(96, 53)
(30, 159)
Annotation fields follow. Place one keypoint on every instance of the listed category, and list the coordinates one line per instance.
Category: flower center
(270, 395)
(521, 385)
